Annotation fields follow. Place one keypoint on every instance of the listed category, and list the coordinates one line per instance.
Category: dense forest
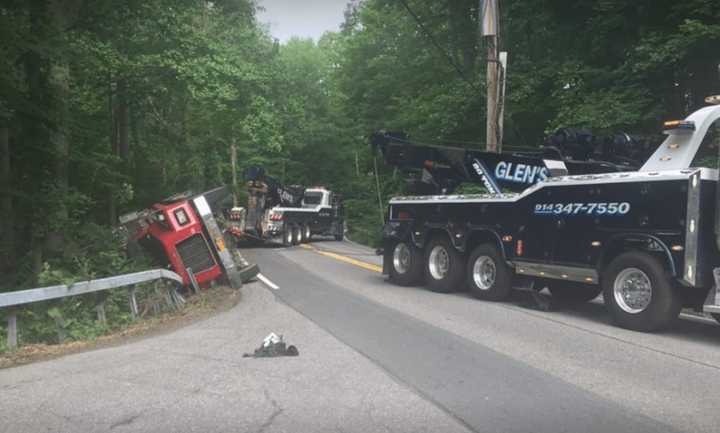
(109, 106)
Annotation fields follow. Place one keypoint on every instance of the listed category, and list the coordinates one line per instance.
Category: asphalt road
(196, 380)
(375, 357)
(500, 367)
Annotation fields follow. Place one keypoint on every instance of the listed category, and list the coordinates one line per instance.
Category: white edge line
(267, 282)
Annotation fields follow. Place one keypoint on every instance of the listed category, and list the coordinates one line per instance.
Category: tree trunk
(123, 122)
(36, 256)
(61, 14)
(7, 246)
(112, 205)
(59, 80)
(120, 138)
(463, 35)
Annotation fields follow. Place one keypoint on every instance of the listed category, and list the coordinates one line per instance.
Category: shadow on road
(687, 327)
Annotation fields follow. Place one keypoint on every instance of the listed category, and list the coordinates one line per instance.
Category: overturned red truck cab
(181, 233)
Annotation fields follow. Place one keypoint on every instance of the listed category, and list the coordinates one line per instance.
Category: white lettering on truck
(520, 173)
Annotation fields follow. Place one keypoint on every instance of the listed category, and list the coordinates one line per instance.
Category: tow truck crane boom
(444, 168)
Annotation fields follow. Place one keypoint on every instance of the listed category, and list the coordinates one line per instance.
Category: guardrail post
(12, 328)
(60, 324)
(167, 291)
(177, 298)
(100, 307)
(133, 302)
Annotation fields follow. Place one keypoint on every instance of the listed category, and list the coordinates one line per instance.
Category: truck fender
(397, 230)
(629, 241)
(481, 234)
(432, 229)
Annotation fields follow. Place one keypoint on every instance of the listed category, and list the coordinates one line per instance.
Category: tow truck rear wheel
(287, 235)
(296, 235)
(444, 266)
(306, 233)
(639, 292)
(487, 274)
(406, 265)
(571, 291)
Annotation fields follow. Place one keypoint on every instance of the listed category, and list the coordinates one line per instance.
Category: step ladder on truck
(645, 235)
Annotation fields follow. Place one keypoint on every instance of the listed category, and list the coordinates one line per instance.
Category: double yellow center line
(358, 263)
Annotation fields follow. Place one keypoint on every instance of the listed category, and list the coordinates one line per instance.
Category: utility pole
(489, 22)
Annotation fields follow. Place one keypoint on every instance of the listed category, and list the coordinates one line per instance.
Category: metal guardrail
(11, 300)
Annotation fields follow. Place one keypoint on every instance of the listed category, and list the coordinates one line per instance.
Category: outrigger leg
(530, 296)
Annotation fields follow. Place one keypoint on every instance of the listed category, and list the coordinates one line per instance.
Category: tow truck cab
(316, 196)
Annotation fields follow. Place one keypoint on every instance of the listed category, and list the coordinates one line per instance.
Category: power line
(432, 39)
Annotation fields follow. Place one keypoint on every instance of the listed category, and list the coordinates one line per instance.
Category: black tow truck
(645, 234)
(290, 214)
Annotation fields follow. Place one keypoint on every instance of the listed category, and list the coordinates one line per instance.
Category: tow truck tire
(306, 233)
(287, 235)
(488, 276)
(639, 292)
(406, 264)
(571, 291)
(339, 232)
(444, 266)
(296, 235)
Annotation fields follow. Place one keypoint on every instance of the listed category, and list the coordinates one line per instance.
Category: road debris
(273, 345)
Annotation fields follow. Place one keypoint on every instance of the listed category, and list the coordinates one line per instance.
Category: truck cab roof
(314, 197)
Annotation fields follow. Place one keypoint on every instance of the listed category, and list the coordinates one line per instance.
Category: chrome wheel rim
(632, 290)
(307, 232)
(439, 262)
(484, 272)
(401, 258)
(289, 235)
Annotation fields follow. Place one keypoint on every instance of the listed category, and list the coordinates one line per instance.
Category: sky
(304, 18)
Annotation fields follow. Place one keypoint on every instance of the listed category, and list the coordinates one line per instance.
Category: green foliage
(95, 252)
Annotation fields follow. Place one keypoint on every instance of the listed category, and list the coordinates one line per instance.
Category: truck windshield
(312, 199)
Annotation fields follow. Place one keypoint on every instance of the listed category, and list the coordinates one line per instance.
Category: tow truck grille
(195, 254)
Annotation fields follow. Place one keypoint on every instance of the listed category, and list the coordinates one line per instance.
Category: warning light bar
(713, 100)
(679, 126)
